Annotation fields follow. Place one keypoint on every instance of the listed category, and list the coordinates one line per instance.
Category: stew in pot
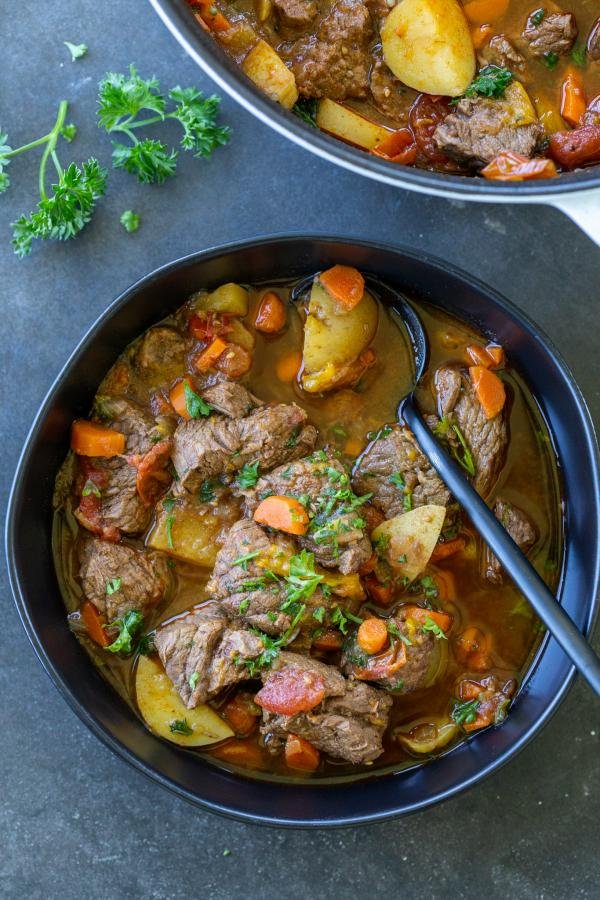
(260, 559)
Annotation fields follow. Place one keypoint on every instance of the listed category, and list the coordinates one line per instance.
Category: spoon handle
(514, 561)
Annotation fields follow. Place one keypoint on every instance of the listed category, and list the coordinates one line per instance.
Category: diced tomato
(511, 166)
(152, 477)
(207, 326)
(579, 147)
(425, 115)
(291, 691)
(91, 482)
(399, 147)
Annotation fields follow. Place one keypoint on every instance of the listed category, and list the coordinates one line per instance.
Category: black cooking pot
(41, 608)
(577, 194)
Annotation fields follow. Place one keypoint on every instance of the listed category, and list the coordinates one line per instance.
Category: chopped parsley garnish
(129, 625)
(429, 587)
(243, 607)
(113, 585)
(319, 614)
(248, 475)
(194, 403)
(293, 438)
(130, 220)
(252, 584)
(77, 51)
(491, 81)
(579, 56)
(306, 109)
(464, 713)
(207, 492)
(434, 628)
(169, 503)
(402, 559)
(271, 645)
(169, 522)
(146, 645)
(398, 687)
(537, 17)
(461, 454)
(550, 59)
(194, 679)
(340, 619)
(91, 488)
(379, 433)
(395, 632)
(397, 480)
(245, 559)
(381, 544)
(339, 432)
(303, 580)
(180, 726)
(407, 501)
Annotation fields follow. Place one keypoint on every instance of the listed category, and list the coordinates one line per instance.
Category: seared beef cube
(296, 14)
(347, 724)
(556, 33)
(205, 448)
(519, 528)
(336, 533)
(202, 656)
(389, 94)
(398, 475)
(138, 425)
(161, 354)
(402, 667)
(500, 52)
(117, 578)
(479, 129)
(486, 438)
(231, 399)
(335, 62)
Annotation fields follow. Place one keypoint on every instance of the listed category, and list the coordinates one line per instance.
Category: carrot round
(300, 754)
(572, 100)
(288, 366)
(482, 12)
(208, 357)
(238, 713)
(177, 398)
(240, 752)
(442, 620)
(472, 649)
(271, 315)
(447, 549)
(91, 439)
(282, 513)
(489, 390)
(372, 635)
(94, 624)
(345, 284)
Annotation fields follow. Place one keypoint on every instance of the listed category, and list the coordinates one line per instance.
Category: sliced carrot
(447, 549)
(446, 584)
(272, 314)
(209, 15)
(572, 98)
(399, 147)
(472, 649)
(241, 752)
(91, 439)
(240, 716)
(381, 594)
(177, 398)
(482, 12)
(208, 325)
(208, 357)
(329, 641)
(94, 624)
(282, 513)
(489, 389)
(479, 355)
(235, 361)
(496, 354)
(345, 284)
(512, 166)
(288, 366)
(291, 691)
(372, 635)
(420, 615)
(480, 35)
(353, 447)
(300, 754)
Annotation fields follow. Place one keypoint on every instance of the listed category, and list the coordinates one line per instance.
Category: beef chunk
(335, 61)
(500, 52)
(521, 531)
(296, 14)
(487, 438)
(396, 453)
(205, 448)
(336, 534)
(231, 399)
(161, 353)
(593, 41)
(479, 129)
(400, 667)
(202, 655)
(389, 94)
(118, 578)
(348, 724)
(556, 33)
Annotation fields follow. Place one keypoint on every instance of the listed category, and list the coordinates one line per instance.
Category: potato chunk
(164, 713)
(427, 45)
(268, 71)
(348, 126)
(229, 298)
(411, 539)
(187, 530)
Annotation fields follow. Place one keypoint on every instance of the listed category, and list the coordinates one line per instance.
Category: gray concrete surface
(77, 823)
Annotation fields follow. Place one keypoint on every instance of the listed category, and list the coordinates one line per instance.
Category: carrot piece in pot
(282, 513)
(91, 439)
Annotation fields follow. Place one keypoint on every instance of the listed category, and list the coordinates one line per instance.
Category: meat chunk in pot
(393, 467)
(161, 353)
(555, 33)
(348, 723)
(335, 62)
(202, 655)
(269, 434)
(295, 14)
(231, 399)
(118, 578)
(521, 530)
(389, 94)
(486, 438)
(500, 52)
(479, 129)
(336, 533)
(403, 666)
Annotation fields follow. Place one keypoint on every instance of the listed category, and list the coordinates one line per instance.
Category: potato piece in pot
(409, 539)
(348, 125)
(229, 298)
(334, 339)
(427, 45)
(165, 714)
(267, 70)
(187, 530)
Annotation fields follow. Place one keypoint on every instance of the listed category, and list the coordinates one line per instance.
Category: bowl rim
(104, 733)
(176, 16)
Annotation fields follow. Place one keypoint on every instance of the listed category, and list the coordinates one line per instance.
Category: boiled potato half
(334, 338)
(427, 45)
(411, 538)
(161, 706)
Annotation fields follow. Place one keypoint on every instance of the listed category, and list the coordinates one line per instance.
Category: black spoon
(514, 561)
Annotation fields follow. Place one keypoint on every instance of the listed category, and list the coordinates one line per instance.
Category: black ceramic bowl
(40, 605)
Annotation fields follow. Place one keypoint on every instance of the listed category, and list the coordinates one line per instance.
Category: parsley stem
(151, 121)
(50, 149)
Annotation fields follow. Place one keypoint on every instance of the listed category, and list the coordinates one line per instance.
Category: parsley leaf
(464, 713)
(491, 81)
(206, 492)
(169, 522)
(245, 559)
(128, 627)
(537, 17)
(434, 628)
(68, 132)
(5, 150)
(579, 56)
(461, 454)
(194, 679)
(394, 631)
(397, 480)
(248, 475)
(180, 726)
(130, 220)
(91, 488)
(550, 59)
(340, 618)
(306, 109)
(303, 580)
(113, 585)
(76, 50)
(194, 403)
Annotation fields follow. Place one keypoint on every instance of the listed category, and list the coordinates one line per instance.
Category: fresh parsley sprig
(122, 98)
